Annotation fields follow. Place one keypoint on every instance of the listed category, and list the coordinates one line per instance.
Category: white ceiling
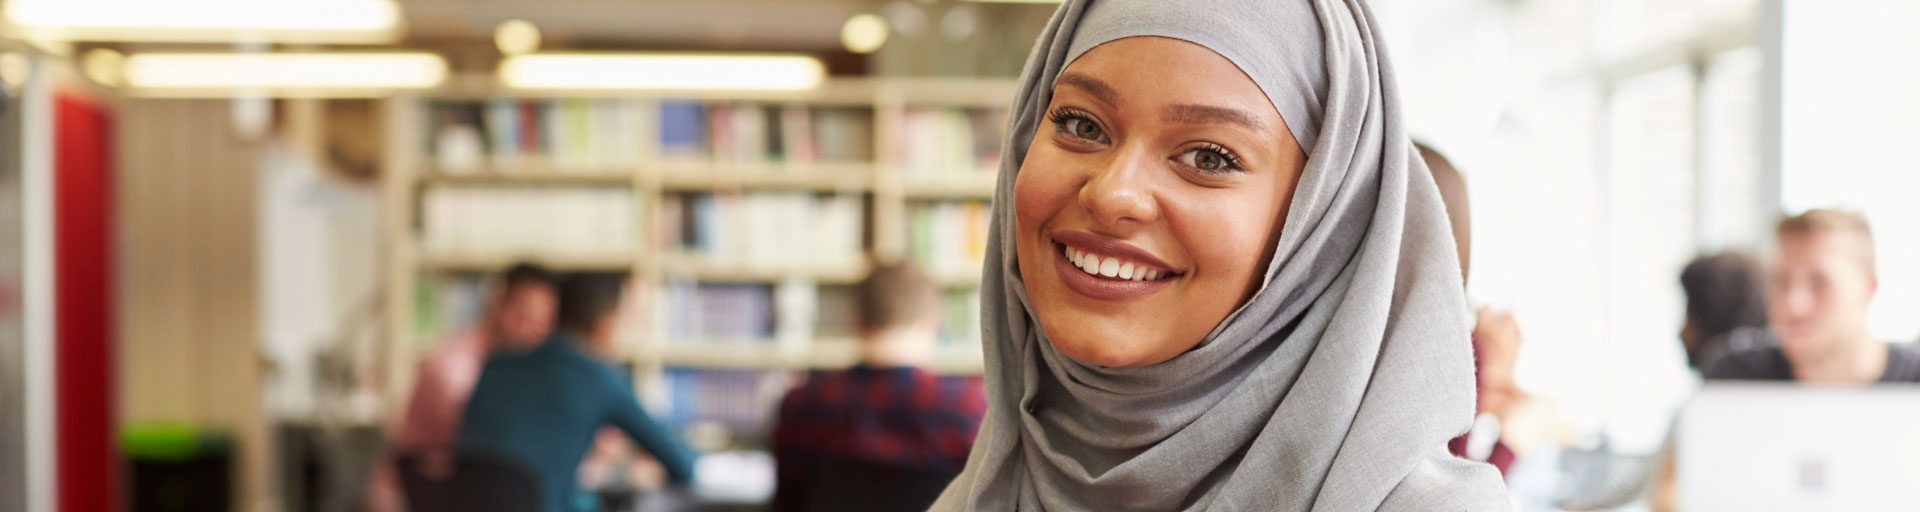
(714, 24)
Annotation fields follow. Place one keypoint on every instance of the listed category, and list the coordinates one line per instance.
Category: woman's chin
(1102, 350)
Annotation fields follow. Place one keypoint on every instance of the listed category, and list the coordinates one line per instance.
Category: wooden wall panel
(189, 349)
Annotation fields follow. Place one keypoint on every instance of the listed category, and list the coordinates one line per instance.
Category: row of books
(765, 133)
(948, 237)
(754, 230)
(947, 141)
(732, 312)
(568, 133)
(744, 402)
(490, 219)
(763, 229)
(696, 313)
(583, 133)
(960, 317)
(724, 311)
(443, 304)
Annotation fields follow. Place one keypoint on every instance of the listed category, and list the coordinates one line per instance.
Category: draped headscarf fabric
(1334, 388)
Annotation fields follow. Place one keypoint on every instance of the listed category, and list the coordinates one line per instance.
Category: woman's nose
(1122, 190)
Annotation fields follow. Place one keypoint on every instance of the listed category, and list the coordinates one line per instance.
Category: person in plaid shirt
(885, 416)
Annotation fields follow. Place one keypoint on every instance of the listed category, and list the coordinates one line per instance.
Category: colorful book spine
(493, 220)
(948, 141)
(764, 229)
(948, 237)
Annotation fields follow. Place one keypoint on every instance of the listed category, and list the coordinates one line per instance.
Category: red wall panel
(88, 473)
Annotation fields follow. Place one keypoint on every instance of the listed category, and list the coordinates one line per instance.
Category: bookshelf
(744, 217)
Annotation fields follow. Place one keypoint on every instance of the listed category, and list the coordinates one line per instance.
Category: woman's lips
(1108, 247)
(1106, 277)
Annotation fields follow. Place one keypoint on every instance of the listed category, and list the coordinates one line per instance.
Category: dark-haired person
(1726, 308)
(519, 316)
(541, 408)
(887, 412)
(1823, 281)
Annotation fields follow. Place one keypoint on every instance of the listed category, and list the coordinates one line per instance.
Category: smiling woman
(1219, 277)
(1132, 178)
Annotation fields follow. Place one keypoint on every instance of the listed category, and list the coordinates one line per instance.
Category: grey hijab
(1336, 387)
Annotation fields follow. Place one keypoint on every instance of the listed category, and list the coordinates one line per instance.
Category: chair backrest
(850, 484)
(479, 484)
(423, 492)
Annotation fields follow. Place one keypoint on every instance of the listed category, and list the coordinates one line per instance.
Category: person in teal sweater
(541, 408)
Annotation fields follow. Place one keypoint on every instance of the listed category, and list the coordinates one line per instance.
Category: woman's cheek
(1222, 244)
(1037, 192)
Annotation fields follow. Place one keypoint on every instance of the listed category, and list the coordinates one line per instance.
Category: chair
(848, 484)
(479, 483)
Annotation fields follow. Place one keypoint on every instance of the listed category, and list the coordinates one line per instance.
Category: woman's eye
(1084, 129)
(1208, 160)
(1074, 123)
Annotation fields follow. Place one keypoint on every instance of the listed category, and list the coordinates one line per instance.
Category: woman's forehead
(1276, 44)
(1180, 81)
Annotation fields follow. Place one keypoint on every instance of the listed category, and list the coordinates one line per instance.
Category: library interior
(743, 255)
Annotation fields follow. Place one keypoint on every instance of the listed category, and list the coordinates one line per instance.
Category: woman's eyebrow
(1205, 114)
(1100, 90)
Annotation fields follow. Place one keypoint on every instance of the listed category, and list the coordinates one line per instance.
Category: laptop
(1766, 447)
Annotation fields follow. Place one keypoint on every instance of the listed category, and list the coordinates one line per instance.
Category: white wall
(1597, 167)
(1850, 100)
(318, 244)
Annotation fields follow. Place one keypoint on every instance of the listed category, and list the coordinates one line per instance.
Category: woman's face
(1150, 200)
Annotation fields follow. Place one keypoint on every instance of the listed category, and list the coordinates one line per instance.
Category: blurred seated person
(843, 436)
(542, 407)
(1496, 337)
(519, 316)
(1823, 280)
(1726, 308)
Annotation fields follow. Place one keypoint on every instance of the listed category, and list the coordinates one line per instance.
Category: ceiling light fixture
(659, 71)
(864, 33)
(284, 21)
(282, 74)
(514, 37)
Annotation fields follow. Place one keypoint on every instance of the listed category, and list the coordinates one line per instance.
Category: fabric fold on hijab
(1334, 388)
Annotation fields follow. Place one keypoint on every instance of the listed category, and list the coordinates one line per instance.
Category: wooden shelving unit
(650, 177)
(949, 187)
(699, 269)
(822, 353)
(495, 262)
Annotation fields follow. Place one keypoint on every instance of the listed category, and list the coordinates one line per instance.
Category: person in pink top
(519, 317)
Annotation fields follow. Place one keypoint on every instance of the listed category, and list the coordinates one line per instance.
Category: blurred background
(231, 228)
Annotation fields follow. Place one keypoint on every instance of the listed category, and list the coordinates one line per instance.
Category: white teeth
(1110, 267)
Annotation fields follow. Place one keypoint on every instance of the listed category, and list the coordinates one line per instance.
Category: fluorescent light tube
(656, 71)
(309, 21)
(294, 74)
